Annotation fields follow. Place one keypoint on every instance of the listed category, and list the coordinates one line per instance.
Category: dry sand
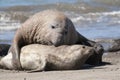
(105, 72)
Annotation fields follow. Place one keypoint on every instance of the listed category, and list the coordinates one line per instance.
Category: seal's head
(57, 28)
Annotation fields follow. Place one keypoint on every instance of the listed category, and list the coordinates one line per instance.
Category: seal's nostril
(66, 32)
(83, 47)
(91, 51)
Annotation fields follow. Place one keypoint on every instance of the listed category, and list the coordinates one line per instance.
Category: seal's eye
(53, 27)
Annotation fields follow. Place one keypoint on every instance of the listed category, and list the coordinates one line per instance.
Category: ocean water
(92, 18)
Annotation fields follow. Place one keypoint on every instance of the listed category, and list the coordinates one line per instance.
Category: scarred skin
(37, 57)
(49, 27)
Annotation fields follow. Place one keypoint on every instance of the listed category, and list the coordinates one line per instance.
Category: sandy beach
(95, 19)
(109, 71)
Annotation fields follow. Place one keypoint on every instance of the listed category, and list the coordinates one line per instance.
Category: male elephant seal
(49, 27)
(38, 57)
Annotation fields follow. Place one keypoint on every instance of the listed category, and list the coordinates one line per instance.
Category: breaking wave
(108, 18)
(6, 23)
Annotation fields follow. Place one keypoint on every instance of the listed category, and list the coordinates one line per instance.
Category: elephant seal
(49, 27)
(36, 57)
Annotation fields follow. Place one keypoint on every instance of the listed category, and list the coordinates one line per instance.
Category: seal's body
(38, 57)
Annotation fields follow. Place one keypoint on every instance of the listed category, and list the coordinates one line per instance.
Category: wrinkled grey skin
(49, 27)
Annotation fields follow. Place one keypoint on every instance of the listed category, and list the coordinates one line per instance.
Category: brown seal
(36, 57)
(49, 27)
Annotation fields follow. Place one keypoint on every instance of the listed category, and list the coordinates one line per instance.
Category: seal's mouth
(57, 40)
(58, 43)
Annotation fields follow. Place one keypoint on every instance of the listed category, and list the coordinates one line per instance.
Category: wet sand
(109, 71)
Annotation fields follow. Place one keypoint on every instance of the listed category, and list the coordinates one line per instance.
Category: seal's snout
(90, 51)
(57, 43)
(64, 32)
(98, 48)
